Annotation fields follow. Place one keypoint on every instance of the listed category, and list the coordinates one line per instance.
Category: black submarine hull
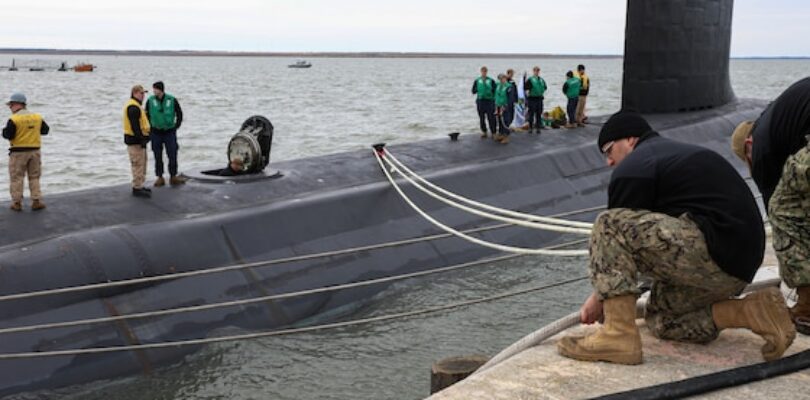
(312, 208)
(676, 60)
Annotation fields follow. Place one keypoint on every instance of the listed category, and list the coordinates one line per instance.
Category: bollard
(453, 369)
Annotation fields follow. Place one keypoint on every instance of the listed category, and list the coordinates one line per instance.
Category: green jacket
(484, 88)
(537, 86)
(161, 113)
(502, 94)
(571, 87)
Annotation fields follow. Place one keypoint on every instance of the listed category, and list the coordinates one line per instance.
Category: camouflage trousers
(789, 214)
(628, 244)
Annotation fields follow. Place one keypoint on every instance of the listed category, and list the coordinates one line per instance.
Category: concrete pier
(540, 373)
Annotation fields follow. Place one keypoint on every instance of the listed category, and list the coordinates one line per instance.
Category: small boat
(300, 64)
(84, 67)
(13, 65)
(63, 67)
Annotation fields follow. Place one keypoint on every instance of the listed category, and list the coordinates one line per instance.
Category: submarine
(323, 222)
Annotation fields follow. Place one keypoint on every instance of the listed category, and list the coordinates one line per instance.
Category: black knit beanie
(622, 125)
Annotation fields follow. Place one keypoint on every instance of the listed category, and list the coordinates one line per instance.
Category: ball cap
(17, 98)
(137, 88)
(623, 124)
(741, 132)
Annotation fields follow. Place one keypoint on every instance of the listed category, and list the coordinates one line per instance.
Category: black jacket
(778, 133)
(673, 178)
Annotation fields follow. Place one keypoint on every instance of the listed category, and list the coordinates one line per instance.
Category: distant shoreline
(370, 54)
(335, 54)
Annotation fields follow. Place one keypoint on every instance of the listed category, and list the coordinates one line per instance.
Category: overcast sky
(761, 28)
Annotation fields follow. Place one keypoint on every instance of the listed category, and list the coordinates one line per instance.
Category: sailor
(504, 93)
(165, 117)
(583, 94)
(682, 216)
(776, 150)
(571, 90)
(136, 136)
(24, 131)
(535, 88)
(509, 114)
(484, 89)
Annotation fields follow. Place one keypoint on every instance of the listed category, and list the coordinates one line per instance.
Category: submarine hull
(106, 235)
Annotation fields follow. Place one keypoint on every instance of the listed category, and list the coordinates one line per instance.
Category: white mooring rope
(256, 335)
(500, 247)
(514, 221)
(252, 300)
(527, 217)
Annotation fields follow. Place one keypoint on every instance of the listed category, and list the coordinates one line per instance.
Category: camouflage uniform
(789, 213)
(671, 251)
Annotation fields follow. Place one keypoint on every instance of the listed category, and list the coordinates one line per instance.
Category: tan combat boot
(37, 205)
(160, 181)
(617, 341)
(800, 313)
(16, 206)
(765, 313)
(483, 135)
(177, 180)
(505, 140)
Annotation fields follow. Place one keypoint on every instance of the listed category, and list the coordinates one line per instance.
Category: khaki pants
(581, 109)
(672, 251)
(138, 161)
(21, 163)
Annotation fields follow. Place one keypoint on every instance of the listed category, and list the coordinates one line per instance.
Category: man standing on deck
(571, 91)
(776, 150)
(679, 214)
(484, 89)
(24, 132)
(535, 88)
(136, 136)
(509, 114)
(165, 117)
(583, 94)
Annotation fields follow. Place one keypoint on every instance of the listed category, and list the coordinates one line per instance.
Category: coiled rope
(527, 217)
(252, 300)
(500, 247)
(256, 335)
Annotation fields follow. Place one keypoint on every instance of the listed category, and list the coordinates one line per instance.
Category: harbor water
(340, 104)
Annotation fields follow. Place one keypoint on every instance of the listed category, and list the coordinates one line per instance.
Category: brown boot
(505, 140)
(177, 180)
(483, 135)
(160, 181)
(37, 205)
(16, 206)
(765, 313)
(617, 341)
(800, 313)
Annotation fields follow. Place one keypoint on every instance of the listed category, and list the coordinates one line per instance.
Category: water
(337, 105)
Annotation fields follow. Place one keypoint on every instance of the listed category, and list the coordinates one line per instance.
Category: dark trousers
(535, 112)
(509, 114)
(503, 126)
(166, 138)
(486, 113)
(572, 110)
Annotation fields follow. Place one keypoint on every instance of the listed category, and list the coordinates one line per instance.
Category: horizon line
(333, 54)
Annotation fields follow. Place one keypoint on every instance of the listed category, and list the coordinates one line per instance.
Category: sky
(760, 27)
